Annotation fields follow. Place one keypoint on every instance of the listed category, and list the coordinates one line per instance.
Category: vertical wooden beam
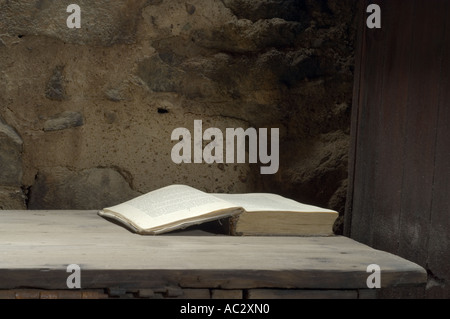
(356, 103)
(438, 261)
(398, 20)
(368, 101)
(399, 193)
(420, 130)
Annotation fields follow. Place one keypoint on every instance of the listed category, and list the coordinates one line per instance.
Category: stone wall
(86, 114)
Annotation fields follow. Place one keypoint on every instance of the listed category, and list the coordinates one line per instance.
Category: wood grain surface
(37, 246)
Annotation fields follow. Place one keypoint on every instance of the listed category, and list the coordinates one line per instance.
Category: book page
(265, 202)
(168, 205)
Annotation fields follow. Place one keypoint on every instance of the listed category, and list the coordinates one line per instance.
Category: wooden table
(37, 246)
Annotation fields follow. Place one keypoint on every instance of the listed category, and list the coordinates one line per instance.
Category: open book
(179, 206)
(271, 214)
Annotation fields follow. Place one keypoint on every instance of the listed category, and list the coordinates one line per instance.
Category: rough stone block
(102, 22)
(95, 188)
(55, 87)
(290, 10)
(10, 156)
(64, 121)
(12, 198)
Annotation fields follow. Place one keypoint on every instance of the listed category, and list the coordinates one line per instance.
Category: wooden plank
(398, 19)
(37, 247)
(368, 127)
(7, 294)
(301, 294)
(195, 294)
(420, 137)
(356, 105)
(439, 242)
(368, 293)
(227, 294)
(402, 205)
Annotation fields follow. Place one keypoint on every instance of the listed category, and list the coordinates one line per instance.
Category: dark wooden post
(399, 191)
